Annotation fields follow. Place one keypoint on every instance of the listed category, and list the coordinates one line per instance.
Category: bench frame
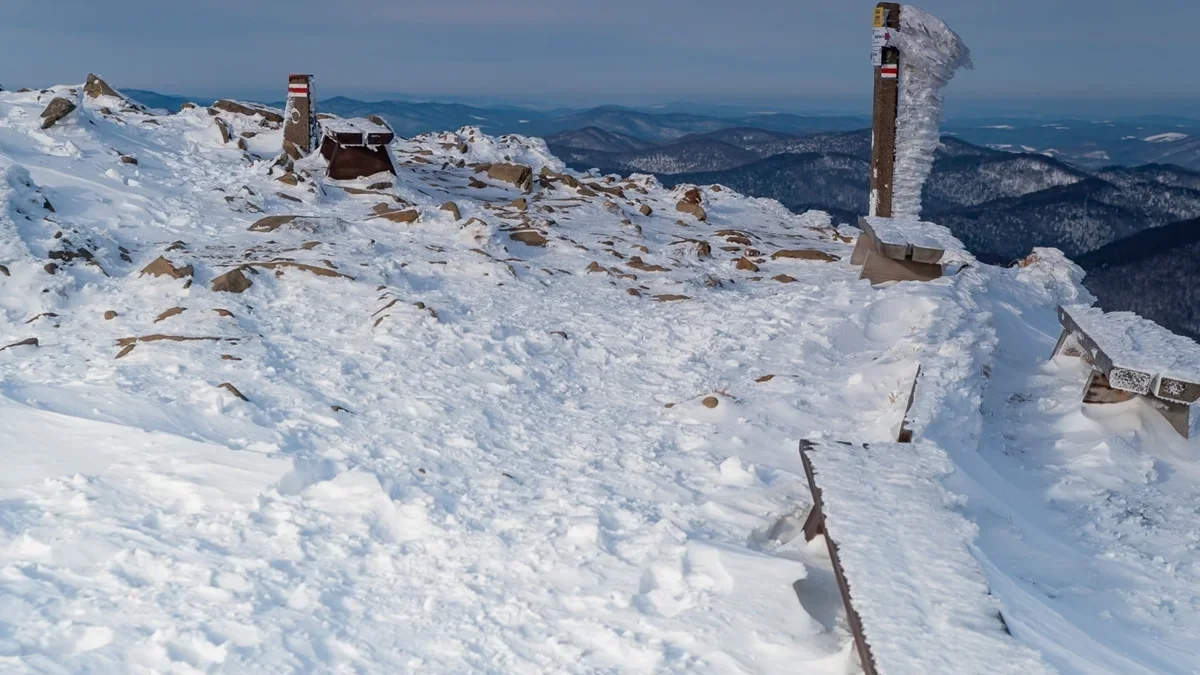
(1129, 383)
(815, 525)
(894, 261)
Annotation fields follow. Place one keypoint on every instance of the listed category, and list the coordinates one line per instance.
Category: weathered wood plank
(865, 657)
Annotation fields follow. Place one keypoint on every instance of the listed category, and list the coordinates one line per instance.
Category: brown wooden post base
(878, 268)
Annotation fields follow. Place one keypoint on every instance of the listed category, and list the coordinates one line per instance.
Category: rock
(645, 210)
(223, 312)
(783, 278)
(170, 313)
(284, 195)
(50, 268)
(633, 291)
(27, 342)
(520, 204)
(243, 109)
(594, 267)
(715, 188)
(224, 128)
(96, 87)
(229, 357)
(233, 281)
(57, 109)
(804, 254)
(126, 159)
(528, 237)
(710, 402)
(694, 210)
(670, 297)
(4, 271)
(560, 333)
(271, 223)
(765, 378)
(233, 390)
(289, 178)
(163, 267)
(187, 105)
(475, 183)
(453, 209)
(636, 263)
(242, 145)
(516, 174)
(404, 217)
(110, 315)
(693, 196)
(746, 264)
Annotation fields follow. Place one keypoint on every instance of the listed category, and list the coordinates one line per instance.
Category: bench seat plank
(920, 598)
(1136, 354)
(910, 239)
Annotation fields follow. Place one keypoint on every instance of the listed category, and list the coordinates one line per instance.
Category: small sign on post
(886, 61)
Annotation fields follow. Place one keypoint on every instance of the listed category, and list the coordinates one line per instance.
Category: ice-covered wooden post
(300, 131)
(886, 59)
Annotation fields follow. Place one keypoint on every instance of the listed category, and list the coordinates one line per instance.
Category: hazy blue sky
(591, 50)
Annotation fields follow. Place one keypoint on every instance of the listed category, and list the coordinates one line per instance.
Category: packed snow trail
(457, 452)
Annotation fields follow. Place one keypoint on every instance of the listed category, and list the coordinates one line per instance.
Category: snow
(459, 457)
(1169, 137)
(1006, 127)
(924, 603)
(929, 54)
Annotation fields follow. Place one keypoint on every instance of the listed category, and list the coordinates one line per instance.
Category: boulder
(529, 237)
(163, 267)
(271, 223)
(126, 159)
(96, 87)
(783, 278)
(403, 217)
(57, 109)
(233, 281)
(289, 178)
(694, 210)
(110, 315)
(243, 109)
(518, 175)
(453, 209)
(804, 254)
(520, 204)
(746, 264)
(645, 209)
(693, 196)
(710, 402)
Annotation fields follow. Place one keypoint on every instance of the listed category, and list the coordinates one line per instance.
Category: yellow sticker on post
(879, 17)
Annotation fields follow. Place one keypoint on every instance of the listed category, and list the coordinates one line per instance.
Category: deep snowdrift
(488, 444)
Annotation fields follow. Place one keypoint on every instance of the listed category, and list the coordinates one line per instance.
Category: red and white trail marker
(889, 71)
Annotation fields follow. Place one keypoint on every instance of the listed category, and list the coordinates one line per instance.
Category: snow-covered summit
(448, 421)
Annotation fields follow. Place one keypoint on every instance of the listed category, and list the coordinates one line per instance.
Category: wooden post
(298, 119)
(883, 124)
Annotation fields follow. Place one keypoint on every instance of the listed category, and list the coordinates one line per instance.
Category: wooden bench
(916, 600)
(893, 249)
(1131, 356)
